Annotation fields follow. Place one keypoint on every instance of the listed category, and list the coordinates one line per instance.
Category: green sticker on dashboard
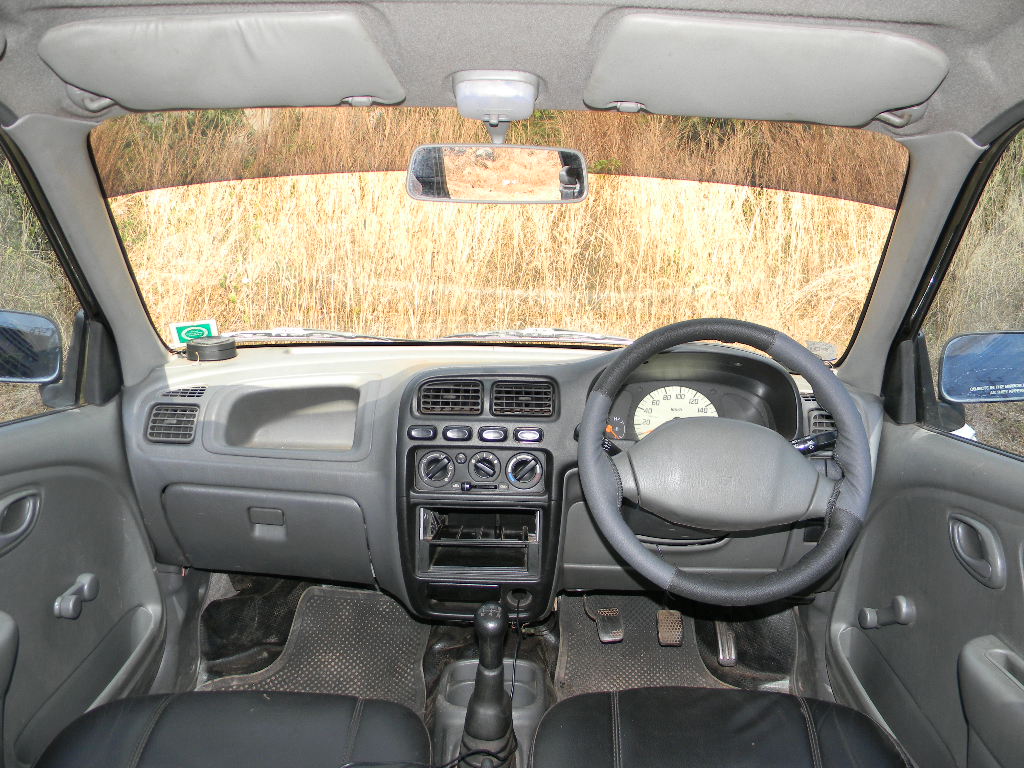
(183, 333)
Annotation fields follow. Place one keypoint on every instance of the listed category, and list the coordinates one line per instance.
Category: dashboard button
(528, 435)
(458, 433)
(422, 432)
(493, 434)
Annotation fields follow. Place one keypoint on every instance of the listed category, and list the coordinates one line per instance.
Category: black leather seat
(699, 727)
(256, 730)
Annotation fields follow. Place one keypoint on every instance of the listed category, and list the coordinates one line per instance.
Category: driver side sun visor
(682, 65)
(223, 60)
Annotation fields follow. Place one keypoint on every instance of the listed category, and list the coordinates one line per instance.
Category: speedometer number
(667, 403)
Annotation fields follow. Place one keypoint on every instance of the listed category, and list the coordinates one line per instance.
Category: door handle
(978, 548)
(18, 513)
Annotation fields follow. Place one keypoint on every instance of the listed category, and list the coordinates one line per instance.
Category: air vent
(172, 423)
(185, 392)
(821, 421)
(452, 396)
(523, 398)
(808, 397)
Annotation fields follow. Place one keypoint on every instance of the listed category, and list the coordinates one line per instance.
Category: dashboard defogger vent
(523, 398)
(189, 392)
(172, 423)
(452, 396)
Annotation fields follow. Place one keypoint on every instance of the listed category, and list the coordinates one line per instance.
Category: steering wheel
(723, 475)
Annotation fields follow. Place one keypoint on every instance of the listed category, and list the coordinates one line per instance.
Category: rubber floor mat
(346, 641)
(246, 630)
(586, 665)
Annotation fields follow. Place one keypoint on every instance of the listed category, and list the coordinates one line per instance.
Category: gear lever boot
(489, 713)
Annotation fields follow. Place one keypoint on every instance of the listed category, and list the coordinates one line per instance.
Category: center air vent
(172, 423)
(452, 396)
(523, 398)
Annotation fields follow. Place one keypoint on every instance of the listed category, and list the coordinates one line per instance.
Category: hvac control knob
(484, 467)
(436, 469)
(524, 470)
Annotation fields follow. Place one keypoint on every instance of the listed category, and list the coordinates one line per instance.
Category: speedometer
(667, 403)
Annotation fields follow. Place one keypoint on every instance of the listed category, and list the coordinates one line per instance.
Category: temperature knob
(484, 467)
(524, 470)
(436, 468)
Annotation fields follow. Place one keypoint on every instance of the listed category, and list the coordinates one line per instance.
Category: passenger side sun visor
(222, 60)
(678, 65)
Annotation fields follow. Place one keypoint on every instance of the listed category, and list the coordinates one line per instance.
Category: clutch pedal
(610, 628)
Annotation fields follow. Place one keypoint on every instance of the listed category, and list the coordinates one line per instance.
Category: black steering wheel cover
(847, 507)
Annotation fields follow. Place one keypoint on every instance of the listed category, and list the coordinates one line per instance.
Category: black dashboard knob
(524, 470)
(484, 466)
(436, 468)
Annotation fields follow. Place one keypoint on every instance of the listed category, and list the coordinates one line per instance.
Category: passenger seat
(257, 730)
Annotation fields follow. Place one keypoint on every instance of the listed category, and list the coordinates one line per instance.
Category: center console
(477, 514)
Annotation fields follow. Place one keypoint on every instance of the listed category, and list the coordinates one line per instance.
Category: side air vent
(185, 392)
(452, 396)
(172, 423)
(821, 421)
(523, 398)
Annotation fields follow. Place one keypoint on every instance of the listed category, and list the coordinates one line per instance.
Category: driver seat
(702, 727)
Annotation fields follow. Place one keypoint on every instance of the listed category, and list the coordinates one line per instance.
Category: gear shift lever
(489, 713)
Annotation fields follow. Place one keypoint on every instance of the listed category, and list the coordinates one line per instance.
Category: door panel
(945, 531)
(65, 486)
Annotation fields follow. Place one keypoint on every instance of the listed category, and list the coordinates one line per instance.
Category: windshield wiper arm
(542, 334)
(307, 333)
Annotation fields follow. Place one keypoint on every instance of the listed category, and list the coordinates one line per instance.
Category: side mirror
(983, 368)
(30, 349)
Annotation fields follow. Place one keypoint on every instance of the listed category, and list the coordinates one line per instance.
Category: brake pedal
(609, 622)
(726, 644)
(670, 628)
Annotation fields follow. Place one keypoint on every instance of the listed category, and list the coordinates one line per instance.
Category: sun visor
(221, 61)
(670, 64)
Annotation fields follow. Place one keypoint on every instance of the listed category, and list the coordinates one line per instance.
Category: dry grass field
(343, 247)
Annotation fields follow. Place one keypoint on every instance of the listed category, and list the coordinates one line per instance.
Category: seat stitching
(353, 730)
(616, 733)
(133, 762)
(897, 746)
(812, 732)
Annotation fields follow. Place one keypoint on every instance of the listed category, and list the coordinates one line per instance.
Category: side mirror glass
(983, 368)
(496, 173)
(30, 349)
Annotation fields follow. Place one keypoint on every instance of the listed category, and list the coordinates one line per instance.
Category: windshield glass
(264, 219)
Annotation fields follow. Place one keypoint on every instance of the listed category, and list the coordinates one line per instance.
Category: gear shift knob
(491, 623)
(489, 712)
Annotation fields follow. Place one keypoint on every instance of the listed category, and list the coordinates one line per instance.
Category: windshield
(289, 219)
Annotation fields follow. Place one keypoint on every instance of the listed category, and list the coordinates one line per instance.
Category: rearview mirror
(30, 349)
(490, 173)
(983, 368)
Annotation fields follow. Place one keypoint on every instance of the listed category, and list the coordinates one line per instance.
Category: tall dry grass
(342, 246)
(31, 280)
(982, 289)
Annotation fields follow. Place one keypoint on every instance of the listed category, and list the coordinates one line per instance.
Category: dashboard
(445, 475)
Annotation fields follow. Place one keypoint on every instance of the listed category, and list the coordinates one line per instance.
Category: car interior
(422, 383)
